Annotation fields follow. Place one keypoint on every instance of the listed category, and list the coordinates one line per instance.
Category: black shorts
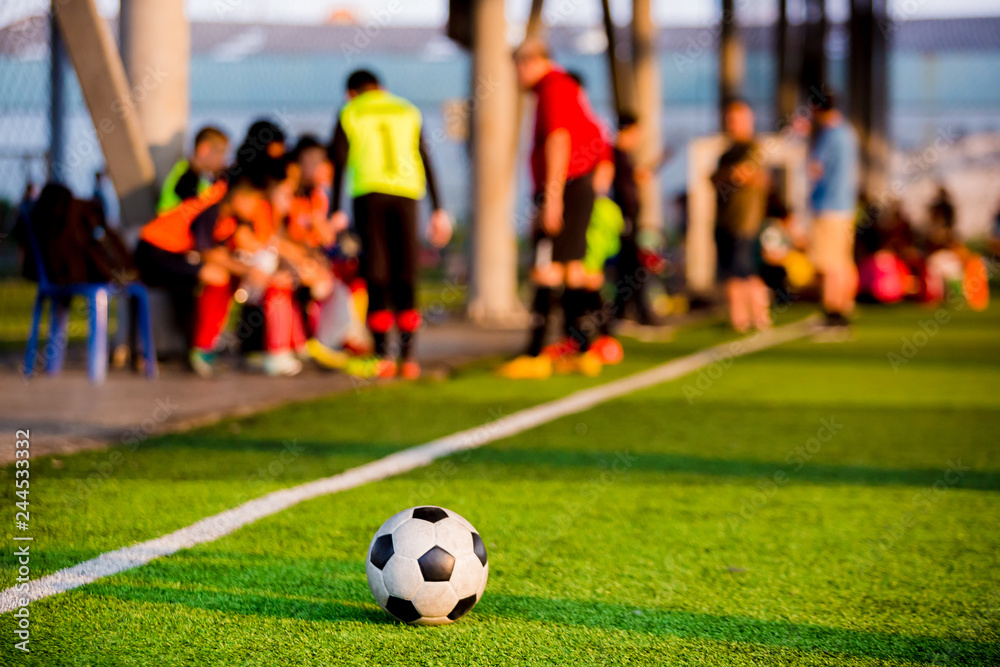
(160, 268)
(387, 227)
(570, 245)
(738, 256)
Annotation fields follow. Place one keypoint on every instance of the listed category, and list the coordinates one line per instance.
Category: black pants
(175, 273)
(387, 227)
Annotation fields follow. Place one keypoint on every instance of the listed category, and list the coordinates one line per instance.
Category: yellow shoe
(588, 363)
(325, 356)
(527, 367)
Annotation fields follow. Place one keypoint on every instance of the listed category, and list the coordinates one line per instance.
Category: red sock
(211, 315)
(279, 316)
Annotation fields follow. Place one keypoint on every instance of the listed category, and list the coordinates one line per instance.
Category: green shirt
(603, 234)
(181, 183)
(383, 134)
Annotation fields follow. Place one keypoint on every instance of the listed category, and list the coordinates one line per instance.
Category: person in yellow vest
(190, 177)
(379, 144)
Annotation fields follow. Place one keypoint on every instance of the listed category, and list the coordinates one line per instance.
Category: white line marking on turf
(213, 527)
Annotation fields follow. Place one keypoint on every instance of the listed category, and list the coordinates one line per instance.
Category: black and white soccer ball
(427, 566)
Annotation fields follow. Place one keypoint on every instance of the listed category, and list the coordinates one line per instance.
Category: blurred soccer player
(568, 144)
(834, 168)
(192, 176)
(741, 196)
(378, 140)
(182, 250)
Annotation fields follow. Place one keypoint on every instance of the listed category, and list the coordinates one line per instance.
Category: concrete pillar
(106, 92)
(648, 101)
(732, 57)
(493, 299)
(870, 29)
(156, 50)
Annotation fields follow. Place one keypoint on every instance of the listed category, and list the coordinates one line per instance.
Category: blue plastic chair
(98, 296)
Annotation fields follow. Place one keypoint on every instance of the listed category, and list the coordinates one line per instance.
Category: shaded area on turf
(682, 463)
(586, 613)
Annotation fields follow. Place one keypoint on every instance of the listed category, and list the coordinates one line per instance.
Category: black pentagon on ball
(382, 551)
(462, 607)
(402, 609)
(431, 514)
(479, 548)
(436, 565)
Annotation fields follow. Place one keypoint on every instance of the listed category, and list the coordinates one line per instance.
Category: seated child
(183, 250)
(190, 177)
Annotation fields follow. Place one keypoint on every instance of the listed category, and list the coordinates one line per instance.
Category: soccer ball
(427, 566)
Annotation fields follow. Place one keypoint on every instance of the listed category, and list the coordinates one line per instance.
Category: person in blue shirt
(833, 170)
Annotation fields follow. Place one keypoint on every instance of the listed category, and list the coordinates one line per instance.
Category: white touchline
(213, 527)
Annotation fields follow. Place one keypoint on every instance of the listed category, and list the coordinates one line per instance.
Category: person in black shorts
(568, 145)
(741, 196)
(378, 139)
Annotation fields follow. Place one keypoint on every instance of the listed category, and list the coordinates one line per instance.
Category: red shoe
(410, 370)
(563, 348)
(608, 350)
(385, 369)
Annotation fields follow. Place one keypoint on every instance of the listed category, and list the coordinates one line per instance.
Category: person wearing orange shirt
(183, 250)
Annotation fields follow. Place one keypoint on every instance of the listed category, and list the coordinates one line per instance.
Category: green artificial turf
(811, 504)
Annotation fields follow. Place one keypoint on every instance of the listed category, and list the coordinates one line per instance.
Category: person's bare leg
(736, 295)
(760, 300)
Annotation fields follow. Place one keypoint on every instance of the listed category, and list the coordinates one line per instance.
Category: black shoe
(835, 320)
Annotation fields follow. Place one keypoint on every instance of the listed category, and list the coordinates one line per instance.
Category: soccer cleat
(588, 364)
(527, 367)
(326, 356)
(565, 347)
(608, 350)
(202, 362)
(370, 367)
(409, 370)
(385, 369)
(282, 364)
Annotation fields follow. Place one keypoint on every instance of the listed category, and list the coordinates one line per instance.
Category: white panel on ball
(376, 584)
(393, 522)
(402, 576)
(467, 575)
(413, 538)
(453, 536)
(435, 598)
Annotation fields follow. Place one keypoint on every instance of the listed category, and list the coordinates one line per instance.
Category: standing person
(192, 176)
(625, 192)
(833, 168)
(568, 145)
(741, 196)
(378, 139)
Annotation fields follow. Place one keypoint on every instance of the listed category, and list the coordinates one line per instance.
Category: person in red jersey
(568, 145)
